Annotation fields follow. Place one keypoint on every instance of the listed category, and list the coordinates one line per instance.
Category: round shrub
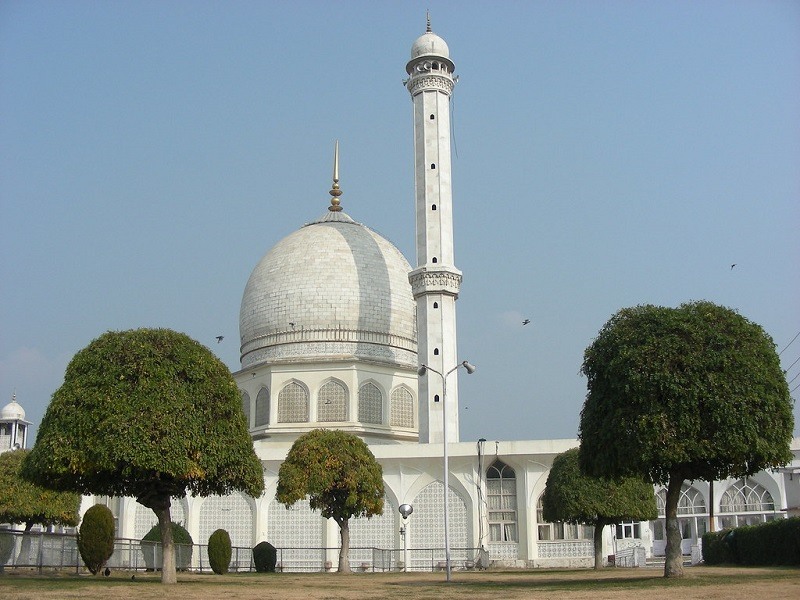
(151, 547)
(265, 557)
(219, 551)
(96, 537)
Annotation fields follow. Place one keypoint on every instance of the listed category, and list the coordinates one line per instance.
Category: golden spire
(428, 15)
(335, 191)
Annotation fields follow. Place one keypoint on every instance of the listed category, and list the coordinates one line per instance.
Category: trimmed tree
(572, 497)
(96, 537)
(339, 475)
(219, 551)
(24, 502)
(148, 413)
(674, 394)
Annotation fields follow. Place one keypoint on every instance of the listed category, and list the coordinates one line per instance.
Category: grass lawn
(728, 583)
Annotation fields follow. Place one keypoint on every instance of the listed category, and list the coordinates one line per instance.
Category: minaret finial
(428, 15)
(335, 191)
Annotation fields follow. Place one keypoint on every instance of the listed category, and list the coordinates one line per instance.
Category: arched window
(501, 493)
(370, 404)
(746, 502)
(262, 407)
(332, 402)
(293, 404)
(435, 305)
(402, 409)
(245, 407)
(691, 503)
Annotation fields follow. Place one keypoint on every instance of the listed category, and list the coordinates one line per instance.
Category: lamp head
(422, 370)
(405, 510)
(469, 367)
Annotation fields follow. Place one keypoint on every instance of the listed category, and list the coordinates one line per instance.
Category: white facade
(13, 426)
(334, 323)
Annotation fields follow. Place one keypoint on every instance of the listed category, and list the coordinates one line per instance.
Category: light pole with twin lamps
(422, 371)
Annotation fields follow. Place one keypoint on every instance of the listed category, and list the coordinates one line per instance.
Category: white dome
(334, 289)
(12, 411)
(429, 44)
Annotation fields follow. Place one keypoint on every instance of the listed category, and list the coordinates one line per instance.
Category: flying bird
(733, 265)
(220, 338)
(526, 321)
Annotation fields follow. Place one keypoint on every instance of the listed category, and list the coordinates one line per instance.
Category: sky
(606, 154)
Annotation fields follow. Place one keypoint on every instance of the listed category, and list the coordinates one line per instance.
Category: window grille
(231, 513)
(402, 411)
(293, 404)
(370, 404)
(332, 402)
(262, 407)
(501, 492)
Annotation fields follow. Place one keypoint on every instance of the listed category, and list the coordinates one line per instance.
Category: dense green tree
(572, 497)
(339, 475)
(674, 394)
(220, 551)
(24, 502)
(148, 413)
(96, 537)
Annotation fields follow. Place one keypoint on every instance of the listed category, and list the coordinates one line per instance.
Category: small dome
(429, 44)
(12, 412)
(333, 290)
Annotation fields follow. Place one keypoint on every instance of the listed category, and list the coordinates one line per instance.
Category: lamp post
(405, 511)
(423, 369)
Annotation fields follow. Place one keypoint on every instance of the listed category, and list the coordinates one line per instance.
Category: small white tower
(436, 281)
(13, 427)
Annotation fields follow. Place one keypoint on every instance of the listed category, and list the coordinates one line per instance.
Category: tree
(148, 413)
(674, 394)
(22, 501)
(572, 497)
(339, 474)
(96, 537)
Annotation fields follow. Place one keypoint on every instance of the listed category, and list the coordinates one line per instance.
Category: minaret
(436, 281)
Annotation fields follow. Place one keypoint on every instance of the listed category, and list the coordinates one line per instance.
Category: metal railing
(42, 550)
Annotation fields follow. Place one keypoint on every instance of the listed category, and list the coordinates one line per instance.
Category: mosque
(335, 325)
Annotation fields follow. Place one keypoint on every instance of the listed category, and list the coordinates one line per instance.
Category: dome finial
(335, 191)
(428, 28)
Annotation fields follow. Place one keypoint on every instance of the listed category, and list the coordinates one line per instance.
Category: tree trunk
(168, 573)
(344, 552)
(673, 566)
(25, 545)
(598, 544)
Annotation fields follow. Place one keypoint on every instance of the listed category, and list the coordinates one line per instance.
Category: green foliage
(572, 497)
(718, 548)
(148, 413)
(184, 546)
(219, 551)
(265, 557)
(694, 392)
(773, 543)
(340, 476)
(96, 537)
(338, 473)
(24, 502)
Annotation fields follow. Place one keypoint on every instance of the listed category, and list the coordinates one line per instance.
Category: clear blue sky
(608, 154)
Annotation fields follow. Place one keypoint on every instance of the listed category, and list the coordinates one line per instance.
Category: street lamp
(423, 369)
(405, 511)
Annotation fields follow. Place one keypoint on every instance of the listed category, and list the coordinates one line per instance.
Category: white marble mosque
(334, 324)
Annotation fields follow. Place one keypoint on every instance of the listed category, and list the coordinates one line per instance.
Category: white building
(334, 324)
(13, 426)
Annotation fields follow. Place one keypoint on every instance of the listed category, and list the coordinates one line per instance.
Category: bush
(265, 557)
(219, 551)
(151, 547)
(773, 543)
(718, 547)
(96, 537)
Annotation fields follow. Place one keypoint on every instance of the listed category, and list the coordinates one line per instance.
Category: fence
(60, 551)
